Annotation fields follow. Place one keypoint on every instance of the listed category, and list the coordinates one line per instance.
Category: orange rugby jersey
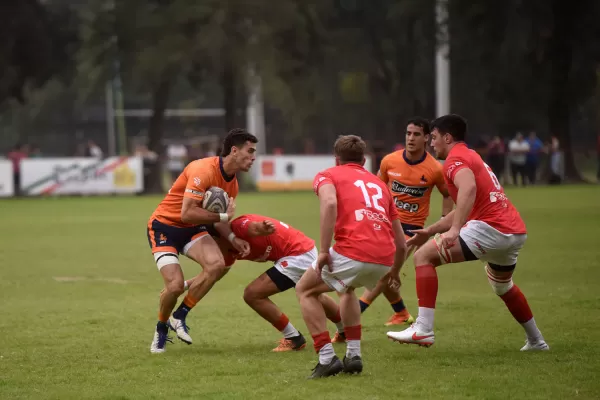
(411, 184)
(195, 179)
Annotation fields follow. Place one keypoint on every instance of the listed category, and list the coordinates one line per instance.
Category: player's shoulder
(207, 164)
(395, 157)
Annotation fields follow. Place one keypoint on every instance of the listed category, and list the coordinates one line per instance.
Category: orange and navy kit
(166, 231)
(411, 184)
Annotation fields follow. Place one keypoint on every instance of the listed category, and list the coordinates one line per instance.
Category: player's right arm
(198, 181)
(382, 173)
(323, 186)
(447, 203)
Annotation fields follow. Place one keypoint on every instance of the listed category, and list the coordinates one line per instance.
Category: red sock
(517, 304)
(282, 322)
(320, 340)
(336, 318)
(427, 285)
(353, 332)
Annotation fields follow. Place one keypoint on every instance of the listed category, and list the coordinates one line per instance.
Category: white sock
(532, 331)
(352, 348)
(425, 318)
(289, 331)
(326, 354)
(340, 327)
(185, 286)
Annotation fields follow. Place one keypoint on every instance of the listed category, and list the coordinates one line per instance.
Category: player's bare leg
(426, 259)
(205, 252)
(401, 315)
(173, 278)
(350, 310)
(256, 295)
(500, 278)
(332, 311)
(308, 290)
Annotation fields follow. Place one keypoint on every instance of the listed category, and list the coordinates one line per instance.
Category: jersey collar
(409, 162)
(225, 176)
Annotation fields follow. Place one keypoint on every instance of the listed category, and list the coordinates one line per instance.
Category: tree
(35, 46)
(519, 65)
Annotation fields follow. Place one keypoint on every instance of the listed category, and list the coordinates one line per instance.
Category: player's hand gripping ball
(215, 200)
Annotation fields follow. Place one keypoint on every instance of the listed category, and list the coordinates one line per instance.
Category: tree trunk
(559, 58)
(160, 98)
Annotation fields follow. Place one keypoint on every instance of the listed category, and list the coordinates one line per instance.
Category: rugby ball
(215, 200)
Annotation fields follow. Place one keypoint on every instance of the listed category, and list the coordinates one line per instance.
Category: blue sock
(161, 327)
(398, 306)
(181, 312)
(363, 306)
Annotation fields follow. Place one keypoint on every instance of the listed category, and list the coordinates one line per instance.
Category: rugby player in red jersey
(485, 226)
(358, 209)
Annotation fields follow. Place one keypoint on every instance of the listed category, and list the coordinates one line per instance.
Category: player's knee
(250, 295)
(175, 287)
(421, 257)
(500, 283)
(216, 269)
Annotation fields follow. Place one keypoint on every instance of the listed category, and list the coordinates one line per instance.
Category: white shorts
(295, 266)
(347, 273)
(490, 245)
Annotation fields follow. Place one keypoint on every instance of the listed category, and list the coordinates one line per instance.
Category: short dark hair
(421, 123)
(236, 137)
(452, 124)
(350, 149)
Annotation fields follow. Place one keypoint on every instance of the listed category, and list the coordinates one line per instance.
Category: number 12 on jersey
(370, 201)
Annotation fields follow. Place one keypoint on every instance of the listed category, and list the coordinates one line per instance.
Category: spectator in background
(518, 149)
(149, 160)
(176, 158)
(495, 156)
(18, 153)
(93, 150)
(536, 147)
(35, 152)
(556, 170)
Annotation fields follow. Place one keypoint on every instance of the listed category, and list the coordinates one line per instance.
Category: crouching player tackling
(292, 253)
(356, 207)
(178, 225)
(485, 226)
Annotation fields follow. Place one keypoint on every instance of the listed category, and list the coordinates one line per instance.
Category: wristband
(231, 237)
(223, 217)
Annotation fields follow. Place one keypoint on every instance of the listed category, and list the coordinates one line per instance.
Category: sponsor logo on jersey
(371, 216)
(394, 173)
(197, 181)
(265, 256)
(414, 191)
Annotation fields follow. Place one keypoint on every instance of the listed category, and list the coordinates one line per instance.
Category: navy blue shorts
(172, 239)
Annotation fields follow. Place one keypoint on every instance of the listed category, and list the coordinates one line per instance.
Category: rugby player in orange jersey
(292, 253)
(411, 175)
(179, 226)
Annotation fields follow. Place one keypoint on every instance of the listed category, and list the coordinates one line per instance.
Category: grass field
(80, 292)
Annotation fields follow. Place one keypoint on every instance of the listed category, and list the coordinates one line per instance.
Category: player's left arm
(464, 180)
